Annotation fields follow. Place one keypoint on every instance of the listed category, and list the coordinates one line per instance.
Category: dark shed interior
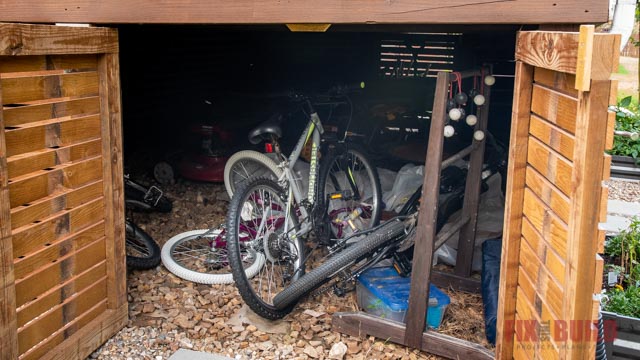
(176, 77)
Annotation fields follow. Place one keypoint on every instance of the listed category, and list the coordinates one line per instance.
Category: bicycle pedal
(401, 264)
(341, 195)
(153, 195)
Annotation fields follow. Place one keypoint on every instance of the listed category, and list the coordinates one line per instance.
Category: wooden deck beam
(306, 11)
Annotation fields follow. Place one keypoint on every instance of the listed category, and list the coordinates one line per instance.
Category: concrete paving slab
(615, 224)
(625, 208)
(184, 354)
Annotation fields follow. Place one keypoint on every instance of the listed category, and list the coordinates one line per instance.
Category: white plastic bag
(408, 179)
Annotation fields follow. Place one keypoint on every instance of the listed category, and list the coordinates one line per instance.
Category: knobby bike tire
(349, 256)
(177, 268)
(243, 284)
(257, 158)
(137, 237)
(372, 173)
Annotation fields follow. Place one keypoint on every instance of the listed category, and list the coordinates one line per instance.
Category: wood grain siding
(307, 11)
(54, 40)
(8, 327)
(56, 167)
(553, 213)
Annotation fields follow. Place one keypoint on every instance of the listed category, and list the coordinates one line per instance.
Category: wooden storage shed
(61, 213)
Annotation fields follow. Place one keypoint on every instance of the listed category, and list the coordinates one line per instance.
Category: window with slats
(418, 55)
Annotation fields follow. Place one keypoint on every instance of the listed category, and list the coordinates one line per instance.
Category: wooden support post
(514, 202)
(113, 184)
(583, 222)
(412, 334)
(8, 319)
(467, 238)
(427, 218)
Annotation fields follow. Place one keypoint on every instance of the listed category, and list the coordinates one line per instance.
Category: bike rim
(345, 172)
(262, 225)
(244, 169)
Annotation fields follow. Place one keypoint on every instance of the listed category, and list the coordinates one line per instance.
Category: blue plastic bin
(382, 292)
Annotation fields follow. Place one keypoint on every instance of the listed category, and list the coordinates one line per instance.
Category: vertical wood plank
(514, 202)
(585, 57)
(426, 233)
(585, 210)
(8, 317)
(467, 238)
(113, 181)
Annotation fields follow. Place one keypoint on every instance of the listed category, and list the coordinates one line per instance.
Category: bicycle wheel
(340, 262)
(245, 164)
(350, 184)
(256, 221)
(201, 256)
(142, 251)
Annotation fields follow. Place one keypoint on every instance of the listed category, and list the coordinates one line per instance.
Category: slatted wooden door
(61, 220)
(555, 196)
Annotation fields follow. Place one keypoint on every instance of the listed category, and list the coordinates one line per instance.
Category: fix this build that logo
(558, 333)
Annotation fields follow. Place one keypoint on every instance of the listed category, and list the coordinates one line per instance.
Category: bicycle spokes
(264, 229)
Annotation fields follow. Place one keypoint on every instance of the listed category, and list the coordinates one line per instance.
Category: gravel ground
(167, 313)
(626, 190)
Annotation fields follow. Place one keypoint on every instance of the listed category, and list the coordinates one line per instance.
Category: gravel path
(626, 190)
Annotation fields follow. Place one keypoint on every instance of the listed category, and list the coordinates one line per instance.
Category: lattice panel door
(61, 217)
(555, 196)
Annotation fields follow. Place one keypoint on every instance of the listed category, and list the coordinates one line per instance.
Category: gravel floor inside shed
(167, 313)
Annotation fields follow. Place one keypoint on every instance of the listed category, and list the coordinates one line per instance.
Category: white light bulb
(634, 136)
(449, 131)
(471, 119)
(455, 114)
(478, 135)
(479, 100)
(489, 80)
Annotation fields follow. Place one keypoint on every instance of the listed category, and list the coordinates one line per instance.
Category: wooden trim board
(307, 11)
(54, 40)
(8, 320)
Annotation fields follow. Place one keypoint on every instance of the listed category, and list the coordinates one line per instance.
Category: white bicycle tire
(258, 157)
(199, 277)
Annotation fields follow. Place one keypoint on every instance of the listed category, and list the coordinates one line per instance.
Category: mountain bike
(348, 257)
(201, 255)
(344, 199)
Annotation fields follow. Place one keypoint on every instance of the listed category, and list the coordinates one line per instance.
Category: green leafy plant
(624, 298)
(627, 119)
(626, 247)
(623, 302)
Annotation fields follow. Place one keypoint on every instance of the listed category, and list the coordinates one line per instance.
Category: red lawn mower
(203, 159)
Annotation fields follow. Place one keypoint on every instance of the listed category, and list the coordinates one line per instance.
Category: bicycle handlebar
(335, 91)
(343, 89)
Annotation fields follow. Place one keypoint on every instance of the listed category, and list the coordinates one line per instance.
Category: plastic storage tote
(382, 292)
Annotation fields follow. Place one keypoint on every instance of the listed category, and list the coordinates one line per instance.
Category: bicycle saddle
(271, 126)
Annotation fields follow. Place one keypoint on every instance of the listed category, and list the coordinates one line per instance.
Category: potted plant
(626, 146)
(621, 302)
